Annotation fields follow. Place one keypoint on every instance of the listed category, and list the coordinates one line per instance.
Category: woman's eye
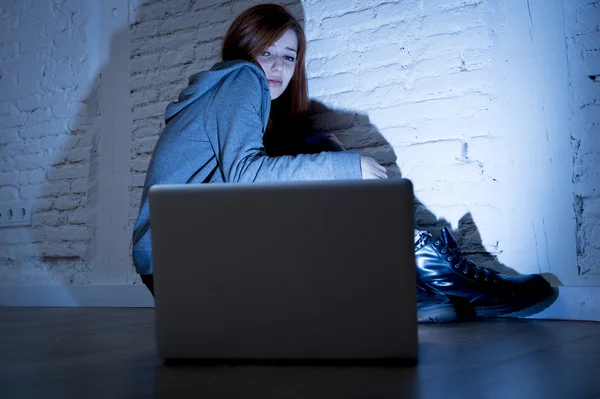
(288, 58)
(265, 53)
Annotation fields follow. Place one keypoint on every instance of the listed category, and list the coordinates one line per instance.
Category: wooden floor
(109, 353)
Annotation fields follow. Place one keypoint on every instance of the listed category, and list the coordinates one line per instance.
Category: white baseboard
(573, 303)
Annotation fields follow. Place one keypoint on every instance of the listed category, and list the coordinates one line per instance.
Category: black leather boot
(442, 269)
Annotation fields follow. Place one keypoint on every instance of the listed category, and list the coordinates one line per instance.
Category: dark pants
(148, 279)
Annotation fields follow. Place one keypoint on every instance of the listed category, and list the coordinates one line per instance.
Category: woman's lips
(275, 82)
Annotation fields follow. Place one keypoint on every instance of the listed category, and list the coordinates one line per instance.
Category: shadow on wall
(356, 133)
(76, 198)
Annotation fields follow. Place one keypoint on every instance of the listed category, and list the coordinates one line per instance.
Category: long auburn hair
(249, 35)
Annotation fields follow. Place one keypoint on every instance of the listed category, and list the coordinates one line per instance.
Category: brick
(67, 202)
(147, 128)
(67, 109)
(180, 57)
(145, 29)
(211, 33)
(330, 8)
(439, 6)
(438, 128)
(78, 155)
(204, 4)
(77, 217)
(140, 164)
(54, 189)
(324, 47)
(350, 20)
(195, 20)
(42, 205)
(137, 179)
(36, 176)
(55, 141)
(160, 9)
(161, 43)
(330, 84)
(46, 128)
(27, 104)
(457, 20)
(68, 172)
(67, 233)
(79, 186)
(52, 218)
(210, 51)
(396, 12)
(392, 54)
(477, 38)
(452, 85)
(9, 178)
(33, 161)
(8, 136)
(14, 120)
(151, 78)
(144, 62)
(8, 164)
(152, 110)
(465, 106)
(145, 145)
(67, 250)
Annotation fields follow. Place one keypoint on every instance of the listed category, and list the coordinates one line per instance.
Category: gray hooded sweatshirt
(214, 134)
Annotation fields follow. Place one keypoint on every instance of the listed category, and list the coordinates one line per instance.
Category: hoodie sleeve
(234, 124)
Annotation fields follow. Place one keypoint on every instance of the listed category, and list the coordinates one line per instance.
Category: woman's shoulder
(241, 77)
(240, 71)
(223, 79)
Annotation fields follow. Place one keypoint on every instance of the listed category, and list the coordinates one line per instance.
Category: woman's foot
(442, 269)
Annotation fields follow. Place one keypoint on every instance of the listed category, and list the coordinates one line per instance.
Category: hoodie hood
(201, 82)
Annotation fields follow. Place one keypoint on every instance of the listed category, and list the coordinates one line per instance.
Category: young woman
(247, 120)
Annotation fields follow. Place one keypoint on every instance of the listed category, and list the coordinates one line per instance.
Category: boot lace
(467, 267)
(423, 239)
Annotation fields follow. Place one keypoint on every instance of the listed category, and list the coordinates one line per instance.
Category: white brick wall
(45, 138)
(472, 100)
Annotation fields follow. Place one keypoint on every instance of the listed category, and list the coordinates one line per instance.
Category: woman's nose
(277, 64)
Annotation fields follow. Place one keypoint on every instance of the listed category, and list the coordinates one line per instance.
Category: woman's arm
(234, 123)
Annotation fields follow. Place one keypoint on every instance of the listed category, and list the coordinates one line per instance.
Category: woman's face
(279, 61)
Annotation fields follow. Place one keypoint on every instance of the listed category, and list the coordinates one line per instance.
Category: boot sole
(441, 314)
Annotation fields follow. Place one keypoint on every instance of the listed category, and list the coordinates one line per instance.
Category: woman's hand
(371, 169)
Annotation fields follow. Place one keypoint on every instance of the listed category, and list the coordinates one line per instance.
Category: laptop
(270, 272)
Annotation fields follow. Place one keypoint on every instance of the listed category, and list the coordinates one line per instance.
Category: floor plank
(110, 353)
